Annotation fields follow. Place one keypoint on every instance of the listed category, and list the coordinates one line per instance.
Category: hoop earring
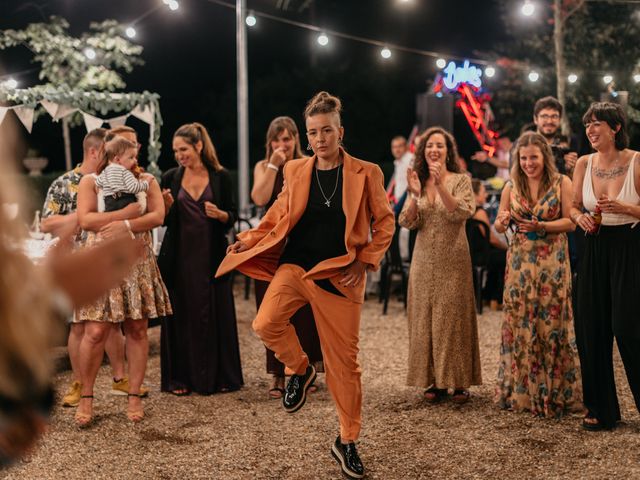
(309, 146)
(340, 143)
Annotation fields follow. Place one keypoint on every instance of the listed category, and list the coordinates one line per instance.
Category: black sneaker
(347, 457)
(296, 392)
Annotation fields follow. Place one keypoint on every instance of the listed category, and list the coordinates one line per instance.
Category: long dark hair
(420, 163)
(195, 132)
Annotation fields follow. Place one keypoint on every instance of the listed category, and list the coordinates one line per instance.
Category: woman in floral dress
(539, 369)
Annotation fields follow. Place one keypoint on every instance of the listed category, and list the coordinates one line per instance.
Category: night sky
(190, 61)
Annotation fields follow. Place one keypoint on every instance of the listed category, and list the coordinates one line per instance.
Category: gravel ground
(244, 435)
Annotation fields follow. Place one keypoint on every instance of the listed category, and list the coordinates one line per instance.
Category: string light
(528, 8)
(489, 72)
(607, 79)
(323, 39)
(573, 78)
(441, 63)
(636, 78)
(130, 32)
(251, 20)
(385, 53)
(534, 76)
(90, 53)
(11, 83)
(173, 5)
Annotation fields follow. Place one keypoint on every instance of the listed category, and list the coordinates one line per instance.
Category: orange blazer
(363, 199)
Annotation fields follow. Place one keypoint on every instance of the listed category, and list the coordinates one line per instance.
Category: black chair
(237, 228)
(393, 265)
(478, 236)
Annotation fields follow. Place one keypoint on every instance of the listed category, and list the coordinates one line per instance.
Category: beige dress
(443, 331)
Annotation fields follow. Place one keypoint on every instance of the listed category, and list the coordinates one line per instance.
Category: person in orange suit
(329, 225)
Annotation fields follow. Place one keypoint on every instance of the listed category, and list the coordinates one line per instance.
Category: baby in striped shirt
(116, 178)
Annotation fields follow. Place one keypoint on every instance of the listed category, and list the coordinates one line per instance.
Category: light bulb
(534, 76)
(323, 39)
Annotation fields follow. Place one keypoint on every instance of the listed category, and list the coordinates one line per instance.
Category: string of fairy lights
(386, 50)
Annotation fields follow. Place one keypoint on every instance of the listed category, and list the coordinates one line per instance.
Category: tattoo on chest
(609, 174)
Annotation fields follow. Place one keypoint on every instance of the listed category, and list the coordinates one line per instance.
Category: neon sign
(466, 74)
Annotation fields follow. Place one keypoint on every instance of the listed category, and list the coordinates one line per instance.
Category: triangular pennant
(145, 114)
(50, 107)
(117, 121)
(92, 122)
(3, 112)
(63, 111)
(25, 114)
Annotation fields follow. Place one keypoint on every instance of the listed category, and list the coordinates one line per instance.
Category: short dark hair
(94, 139)
(613, 114)
(549, 102)
(399, 137)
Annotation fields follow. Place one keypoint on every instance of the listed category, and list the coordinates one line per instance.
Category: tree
(588, 39)
(64, 59)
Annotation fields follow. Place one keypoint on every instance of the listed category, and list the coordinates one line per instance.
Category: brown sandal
(135, 415)
(460, 396)
(83, 420)
(434, 395)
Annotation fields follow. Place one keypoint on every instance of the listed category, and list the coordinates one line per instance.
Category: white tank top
(628, 194)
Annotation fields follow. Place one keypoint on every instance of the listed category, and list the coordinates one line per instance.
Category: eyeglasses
(545, 116)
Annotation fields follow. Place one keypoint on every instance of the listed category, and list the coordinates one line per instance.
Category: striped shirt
(116, 179)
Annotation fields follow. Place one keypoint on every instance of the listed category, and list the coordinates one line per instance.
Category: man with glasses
(547, 113)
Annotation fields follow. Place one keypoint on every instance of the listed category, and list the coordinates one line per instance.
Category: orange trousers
(338, 322)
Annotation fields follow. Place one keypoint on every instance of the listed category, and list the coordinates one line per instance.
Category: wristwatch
(542, 232)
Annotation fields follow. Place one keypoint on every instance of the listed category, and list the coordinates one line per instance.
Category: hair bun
(323, 102)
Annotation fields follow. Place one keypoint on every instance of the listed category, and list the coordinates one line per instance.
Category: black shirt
(319, 234)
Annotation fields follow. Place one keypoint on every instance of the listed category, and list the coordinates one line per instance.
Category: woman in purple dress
(199, 343)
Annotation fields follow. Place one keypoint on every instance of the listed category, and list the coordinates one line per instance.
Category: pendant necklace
(327, 201)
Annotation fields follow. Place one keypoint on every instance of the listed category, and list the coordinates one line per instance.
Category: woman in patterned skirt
(141, 296)
(538, 369)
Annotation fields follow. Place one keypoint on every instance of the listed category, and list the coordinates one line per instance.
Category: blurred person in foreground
(34, 303)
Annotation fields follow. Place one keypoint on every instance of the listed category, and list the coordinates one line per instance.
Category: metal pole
(243, 107)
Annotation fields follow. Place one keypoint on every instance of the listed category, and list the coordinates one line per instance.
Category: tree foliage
(62, 58)
(600, 38)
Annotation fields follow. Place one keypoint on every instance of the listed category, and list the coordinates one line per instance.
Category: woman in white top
(608, 181)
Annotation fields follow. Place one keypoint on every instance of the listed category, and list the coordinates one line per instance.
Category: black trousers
(118, 201)
(609, 306)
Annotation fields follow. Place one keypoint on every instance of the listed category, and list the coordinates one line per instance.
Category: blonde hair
(276, 127)
(111, 149)
(549, 171)
(195, 132)
(26, 322)
(111, 134)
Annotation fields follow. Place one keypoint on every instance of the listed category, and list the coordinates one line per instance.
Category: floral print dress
(539, 369)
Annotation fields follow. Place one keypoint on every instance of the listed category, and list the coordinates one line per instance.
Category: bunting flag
(117, 121)
(63, 111)
(3, 112)
(91, 122)
(147, 115)
(50, 107)
(25, 114)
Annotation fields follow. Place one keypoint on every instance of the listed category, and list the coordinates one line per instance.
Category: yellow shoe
(121, 387)
(72, 397)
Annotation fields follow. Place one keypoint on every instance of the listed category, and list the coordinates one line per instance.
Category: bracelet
(128, 225)
(272, 166)
(413, 196)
